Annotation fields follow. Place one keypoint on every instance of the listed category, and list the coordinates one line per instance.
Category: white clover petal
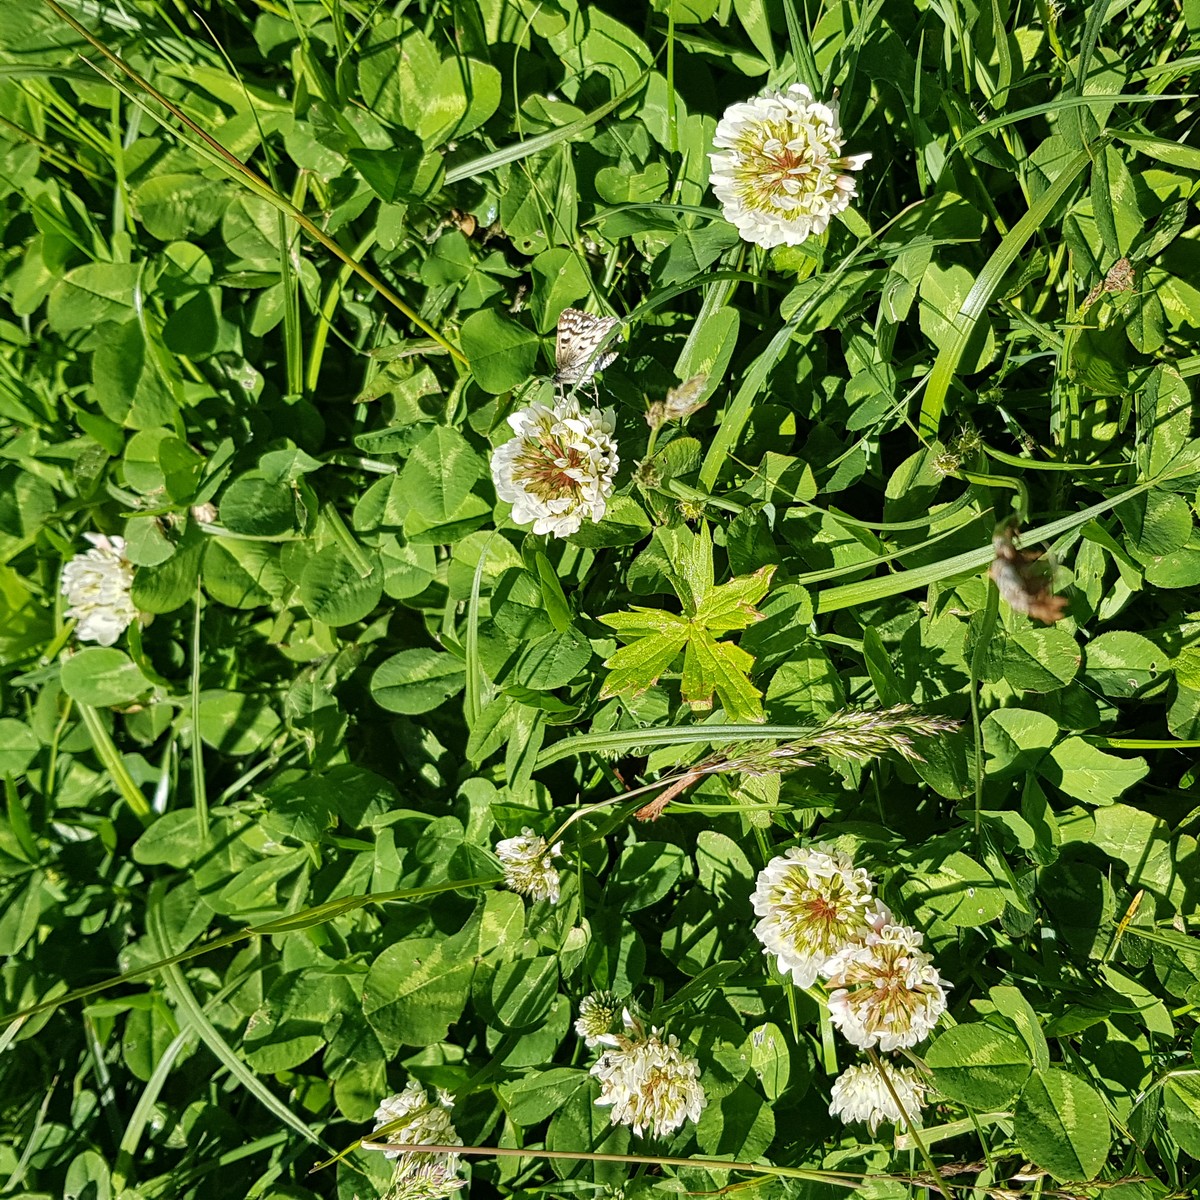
(421, 1176)
(558, 470)
(426, 1122)
(813, 903)
(528, 864)
(649, 1083)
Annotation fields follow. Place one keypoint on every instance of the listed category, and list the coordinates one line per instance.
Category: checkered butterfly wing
(579, 336)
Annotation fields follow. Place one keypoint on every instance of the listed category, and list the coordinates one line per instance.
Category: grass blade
(850, 594)
(989, 279)
(114, 764)
(193, 1015)
(543, 141)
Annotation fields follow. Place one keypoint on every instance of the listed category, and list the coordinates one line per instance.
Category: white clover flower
(649, 1083)
(778, 169)
(96, 585)
(860, 1094)
(596, 1013)
(420, 1176)
(528, 864)
(813, 903)
(887, 993)
(426, 1122)
(559, 468)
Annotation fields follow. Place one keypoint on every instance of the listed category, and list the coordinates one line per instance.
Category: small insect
(579, 337)
(1024, 578)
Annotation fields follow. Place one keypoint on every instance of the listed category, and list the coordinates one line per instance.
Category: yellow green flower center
(825, 920)
(544, 468)
(884, 989)
(784, 166)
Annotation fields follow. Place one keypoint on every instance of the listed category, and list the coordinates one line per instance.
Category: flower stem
(910, 1128)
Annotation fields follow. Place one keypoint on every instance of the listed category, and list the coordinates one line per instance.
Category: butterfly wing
(578, 337)
(1025, 580)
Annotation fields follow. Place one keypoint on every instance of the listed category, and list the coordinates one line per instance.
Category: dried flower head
(412, 1119)
(528, 864)
(597, 1013)
(97, 584)
(778, 169)
(649, 1083)
(648, 473)
(813, 903)
(559, 468)
(886, 992)
(861, 1094)
(1120, 278)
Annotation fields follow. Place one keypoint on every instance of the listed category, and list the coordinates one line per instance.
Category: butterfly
(1024, 578)
(578, 338)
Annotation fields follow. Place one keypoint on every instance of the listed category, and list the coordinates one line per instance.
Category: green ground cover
(470, 584)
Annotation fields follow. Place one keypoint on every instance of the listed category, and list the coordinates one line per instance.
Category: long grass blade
(305, 918)
(867, 590)
(114, 764)
(199, 783)
(190, 1011)
(973, 306)
(1063, 103)
(543, 141)
(219, 155)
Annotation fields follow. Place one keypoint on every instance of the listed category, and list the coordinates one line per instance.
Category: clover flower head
(528, 864)
(860, 1094)
(596, 1015)
(778, 168)
(886, 992)
(648, 1082)
(419, 1175)
(813, 903)
(425, 1121)
(946, 464)
(559, 468)
(97, 584)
